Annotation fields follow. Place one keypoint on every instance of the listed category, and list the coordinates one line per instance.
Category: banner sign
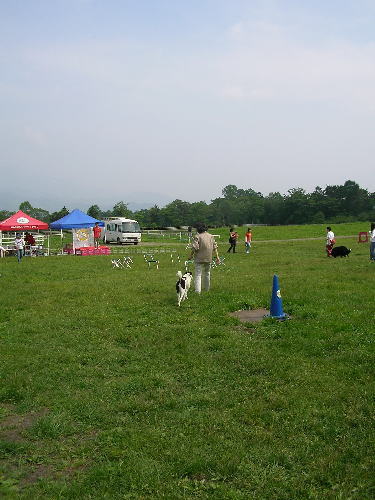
(83, 237)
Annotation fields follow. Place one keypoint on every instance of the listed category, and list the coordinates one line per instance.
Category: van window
(130, 227)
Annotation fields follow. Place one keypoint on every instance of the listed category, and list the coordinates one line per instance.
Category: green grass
(110, 391)
(264, 233)
(259, 233)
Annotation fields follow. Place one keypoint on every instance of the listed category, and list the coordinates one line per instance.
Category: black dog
(340, 252)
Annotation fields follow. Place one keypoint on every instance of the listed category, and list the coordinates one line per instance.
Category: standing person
(97, 233)
(330, 241)
(29, 239)
(372, 241)
(233, 236)
(20, 245)
(29, 243)
(248, 240)
(203, 246)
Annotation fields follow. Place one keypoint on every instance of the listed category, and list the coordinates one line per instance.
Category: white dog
(183, 285)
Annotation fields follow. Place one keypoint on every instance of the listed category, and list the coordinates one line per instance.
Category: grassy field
(260, 233)
(108, 390)
(264, 233)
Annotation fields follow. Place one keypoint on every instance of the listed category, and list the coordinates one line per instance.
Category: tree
(4, 214)
(95, 212)
(58, 215)
(40, 214)
(26, 207)
(200, 212)
(296, 205)
(273, 209)
(231, 192)
(37, 213)
(177, 213)
(155, 218)
(222, 212)
(120, 210)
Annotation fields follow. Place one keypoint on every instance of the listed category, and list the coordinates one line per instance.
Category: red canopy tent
(21, 222)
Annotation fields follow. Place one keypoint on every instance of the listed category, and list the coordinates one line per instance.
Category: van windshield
(130, 227)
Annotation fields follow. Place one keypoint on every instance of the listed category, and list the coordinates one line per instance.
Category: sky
(148, 101)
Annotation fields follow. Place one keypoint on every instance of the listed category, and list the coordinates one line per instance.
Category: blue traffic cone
(276, 309)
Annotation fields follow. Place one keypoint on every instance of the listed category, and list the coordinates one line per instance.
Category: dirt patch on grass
(245, 329)
(39, 471)
(250, 315)
(12, 426)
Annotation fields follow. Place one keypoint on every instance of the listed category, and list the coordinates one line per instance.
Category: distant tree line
(342, 203)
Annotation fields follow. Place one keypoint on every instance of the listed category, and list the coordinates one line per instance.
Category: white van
(121, 230)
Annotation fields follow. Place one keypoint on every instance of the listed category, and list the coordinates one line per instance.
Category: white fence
(8, 246)
(180, 235)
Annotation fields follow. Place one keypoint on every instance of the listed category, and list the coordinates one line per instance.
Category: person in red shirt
(248, 240)
(97, 233)
(29, 239)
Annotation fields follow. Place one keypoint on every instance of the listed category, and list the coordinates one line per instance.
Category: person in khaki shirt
(203, 246)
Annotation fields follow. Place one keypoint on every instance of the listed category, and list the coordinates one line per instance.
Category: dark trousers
(232, 247)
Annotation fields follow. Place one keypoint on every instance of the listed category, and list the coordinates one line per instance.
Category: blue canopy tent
(76, 220)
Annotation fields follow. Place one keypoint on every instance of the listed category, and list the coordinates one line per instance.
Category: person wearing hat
(203, 246)
(19, 243)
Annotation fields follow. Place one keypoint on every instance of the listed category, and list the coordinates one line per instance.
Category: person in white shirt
(330, 241)
(372, 241)
(19, 244)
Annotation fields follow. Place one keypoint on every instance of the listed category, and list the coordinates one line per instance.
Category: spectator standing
(372, 241)
(233, 236)
(20, 245)
(97, 233)
(29, 243)
(330, 241)
(29, 239)
(248, 240)
(203, 246)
